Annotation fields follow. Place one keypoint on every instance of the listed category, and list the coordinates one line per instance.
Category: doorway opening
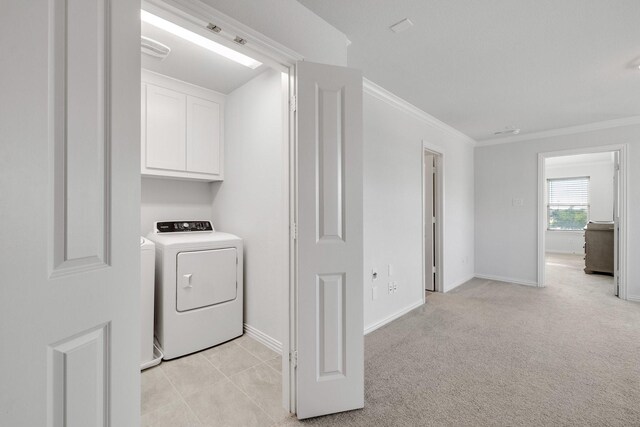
(432, 218)
(581, 230)
(197, 69)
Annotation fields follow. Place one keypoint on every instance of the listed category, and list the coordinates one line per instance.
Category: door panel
(166, 129)
(69, 247)
(616, 223)
(205, 278)
(203, 135)
(330, 353)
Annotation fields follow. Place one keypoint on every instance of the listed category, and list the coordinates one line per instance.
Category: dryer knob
(185, 225)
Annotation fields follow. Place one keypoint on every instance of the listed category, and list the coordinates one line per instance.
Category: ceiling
(195, 64)
(482, 66)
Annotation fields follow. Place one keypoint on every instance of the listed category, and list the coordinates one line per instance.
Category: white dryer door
(205, 278)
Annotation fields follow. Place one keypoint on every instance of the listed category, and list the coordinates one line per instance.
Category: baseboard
(633, 298)
(581, 251)
(507, 279)
(391, 318)
(263, 338)
(458, 283)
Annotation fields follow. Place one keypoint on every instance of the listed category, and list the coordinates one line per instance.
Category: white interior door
(429, 222)
(69, 209)
(330, 351)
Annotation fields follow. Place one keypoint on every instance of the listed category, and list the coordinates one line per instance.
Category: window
(567, 203)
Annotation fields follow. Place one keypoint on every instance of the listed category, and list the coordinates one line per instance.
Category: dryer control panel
(182, 226)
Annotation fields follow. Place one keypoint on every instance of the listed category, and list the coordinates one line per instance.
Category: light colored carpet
(492, 353)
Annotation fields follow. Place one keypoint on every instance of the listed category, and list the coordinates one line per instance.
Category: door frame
(282, 59)
(439, 202)
(621, 275)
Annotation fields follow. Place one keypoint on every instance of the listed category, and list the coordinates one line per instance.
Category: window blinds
(569, 191)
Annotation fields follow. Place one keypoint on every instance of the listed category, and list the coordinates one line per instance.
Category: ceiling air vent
(154, 48)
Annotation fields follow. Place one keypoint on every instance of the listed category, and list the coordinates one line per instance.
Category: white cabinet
(182, 129)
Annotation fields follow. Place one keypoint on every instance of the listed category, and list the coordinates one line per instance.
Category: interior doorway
(581, 226)
(255, 185)
(432, 209)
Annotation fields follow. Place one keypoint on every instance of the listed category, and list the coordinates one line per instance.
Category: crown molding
(382, 94)
(607, 124)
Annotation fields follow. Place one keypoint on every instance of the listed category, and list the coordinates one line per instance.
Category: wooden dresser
(598, 247)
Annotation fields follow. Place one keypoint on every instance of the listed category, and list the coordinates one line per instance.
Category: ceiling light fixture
(199, 40)
(508, 131)
(401, 26)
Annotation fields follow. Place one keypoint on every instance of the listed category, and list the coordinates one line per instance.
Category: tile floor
(237, 383)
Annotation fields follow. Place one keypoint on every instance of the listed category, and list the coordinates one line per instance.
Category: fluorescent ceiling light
(201, 41)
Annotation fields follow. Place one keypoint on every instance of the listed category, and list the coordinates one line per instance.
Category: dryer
(199, 286)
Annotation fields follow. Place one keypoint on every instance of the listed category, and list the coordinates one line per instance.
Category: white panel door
(616, 223)
(330, 352)
(204, 131)
(166, 129)
(69, 209)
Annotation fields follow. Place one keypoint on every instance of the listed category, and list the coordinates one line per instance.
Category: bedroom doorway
(432, 201)
(581, 220)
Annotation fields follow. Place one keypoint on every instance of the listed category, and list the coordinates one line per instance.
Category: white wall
(599, 168)
(170, 199)
(290, 24)
(250, 200)
(393, 153)
(506, 236)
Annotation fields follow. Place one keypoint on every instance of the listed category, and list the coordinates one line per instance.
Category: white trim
(391, 318)
(263, 338)
(542, 226)
(507, 280)
(633, 298)
(607, 124)
(370, 88)
(460, 282)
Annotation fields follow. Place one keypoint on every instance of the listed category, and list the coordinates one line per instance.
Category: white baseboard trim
(507, 279)
(263, 338)
(633, 298)
(391, 318)
(458, 283)
(566, 252)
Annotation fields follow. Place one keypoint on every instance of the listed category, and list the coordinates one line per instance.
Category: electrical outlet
(390, 287)
(395, 287)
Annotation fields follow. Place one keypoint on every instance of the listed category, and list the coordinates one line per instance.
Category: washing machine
(199, 286)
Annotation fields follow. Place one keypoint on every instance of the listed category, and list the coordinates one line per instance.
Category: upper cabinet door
(204, 136)
(166, 129)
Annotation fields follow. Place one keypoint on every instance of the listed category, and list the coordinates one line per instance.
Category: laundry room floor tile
(230, 358)
(264, 386)
(191, 373)
(157, 391)
(275, 363)
(238, 383)
(176, 414)
(255, 348)
(223, 404)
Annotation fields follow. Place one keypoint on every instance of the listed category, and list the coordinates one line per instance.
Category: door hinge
(293, 103)
(294, 231)
(434, 269)
(433, 220)
(293, 358)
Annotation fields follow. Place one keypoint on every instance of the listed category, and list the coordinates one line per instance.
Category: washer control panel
(182, 226)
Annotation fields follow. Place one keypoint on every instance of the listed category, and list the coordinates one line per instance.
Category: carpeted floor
(492, 353)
